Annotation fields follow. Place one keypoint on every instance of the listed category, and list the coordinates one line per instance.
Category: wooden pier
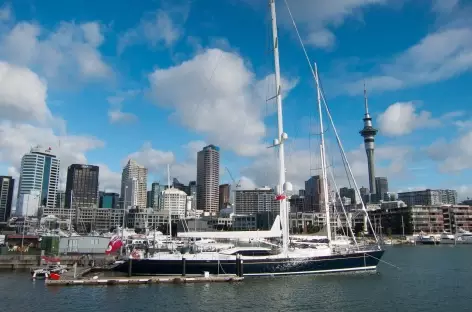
(146, 280)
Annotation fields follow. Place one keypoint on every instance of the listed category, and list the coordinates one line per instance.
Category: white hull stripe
(364, 268)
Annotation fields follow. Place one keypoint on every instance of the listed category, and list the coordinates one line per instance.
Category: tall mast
(281, 135)
(168, 204)
(323, 158)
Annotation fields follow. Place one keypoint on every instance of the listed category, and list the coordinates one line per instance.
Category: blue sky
(157, 80)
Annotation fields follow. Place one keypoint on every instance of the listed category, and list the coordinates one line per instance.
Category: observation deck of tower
(369, 133)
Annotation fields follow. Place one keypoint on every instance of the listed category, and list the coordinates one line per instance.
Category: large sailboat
(280, 258)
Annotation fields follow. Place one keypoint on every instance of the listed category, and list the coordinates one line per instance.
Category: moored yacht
(447, 238)
(282, 258)
(463, 237)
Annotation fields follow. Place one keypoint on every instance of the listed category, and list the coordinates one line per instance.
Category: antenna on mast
(366, 105)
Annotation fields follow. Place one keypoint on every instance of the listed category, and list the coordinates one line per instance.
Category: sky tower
(368, 133)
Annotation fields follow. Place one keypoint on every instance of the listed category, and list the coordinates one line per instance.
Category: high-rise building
(134, 171)
(180, 186)
(348, 193)
(429, 197)
(148, 199)
(224, 195)
(39, 171)
(6, 196)
(82, 186)
(256, 200)
(28, 204)
(381, 187)
(60, 199)
(364, 194)
(174, 200)
(208, 178)
(156, 190)
(192, 192)
(109, 200)
(314, 197)
(368, 133)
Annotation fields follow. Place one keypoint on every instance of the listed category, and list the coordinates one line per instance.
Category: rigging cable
(328, 113)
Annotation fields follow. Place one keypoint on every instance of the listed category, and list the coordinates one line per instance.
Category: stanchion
(238, 265)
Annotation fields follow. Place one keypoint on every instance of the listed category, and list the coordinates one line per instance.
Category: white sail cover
(275, 231)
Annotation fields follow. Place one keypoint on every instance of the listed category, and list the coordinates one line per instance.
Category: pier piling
(184, 264)
(130, 267)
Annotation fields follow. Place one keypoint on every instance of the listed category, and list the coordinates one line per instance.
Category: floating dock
(146, 280)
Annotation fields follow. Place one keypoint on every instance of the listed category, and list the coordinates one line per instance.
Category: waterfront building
(208, 178)
(429, 197)
(39, 171)
(174, 200)
(82, 186)
(381, 187)
(109, 200)
(224, 195)
(136, 196)
(314, 195)
(6, 196)
(256, 200)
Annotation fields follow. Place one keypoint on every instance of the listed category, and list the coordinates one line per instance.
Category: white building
(40, 172)
(133, 170)
(28, 204)
(175, 200)
(131, 193)
(255, 200)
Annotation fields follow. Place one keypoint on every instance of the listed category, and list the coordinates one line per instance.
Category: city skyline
(131, 90)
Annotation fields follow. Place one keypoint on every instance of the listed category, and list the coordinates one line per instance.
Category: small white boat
(425, 239)
(463, 237)
(45, 272)
(447, 238)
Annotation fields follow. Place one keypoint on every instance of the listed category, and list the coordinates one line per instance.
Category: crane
(238, 184)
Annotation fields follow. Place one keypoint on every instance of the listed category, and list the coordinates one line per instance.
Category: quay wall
(25, 262)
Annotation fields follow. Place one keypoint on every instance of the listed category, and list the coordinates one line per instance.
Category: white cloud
(5, 13)
(152, 159)
(115, 112)
(17, 139)
(109, 180)
(391, 162)
(441, 6)
(464, 191)
(71, 50)
(156, 161)
(160, 28)
(318, 18)
(22, 95)
(453, 156)
(438, 56)
(221, 99)
(115, 115)
(401, 118)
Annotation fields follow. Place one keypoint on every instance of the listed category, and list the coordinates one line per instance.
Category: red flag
(114, 244)
(280, 197)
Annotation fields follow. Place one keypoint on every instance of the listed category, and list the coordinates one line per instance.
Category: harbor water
(429, 278)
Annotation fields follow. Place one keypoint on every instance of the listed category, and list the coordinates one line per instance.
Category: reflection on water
(432, 278)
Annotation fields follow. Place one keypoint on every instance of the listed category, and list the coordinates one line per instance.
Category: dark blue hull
(359, 261)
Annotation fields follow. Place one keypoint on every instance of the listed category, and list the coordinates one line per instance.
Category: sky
(101, 82)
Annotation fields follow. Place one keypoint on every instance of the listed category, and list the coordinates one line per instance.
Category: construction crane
(238, 184)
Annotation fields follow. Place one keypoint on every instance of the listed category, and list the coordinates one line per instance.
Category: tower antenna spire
(369, 133)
